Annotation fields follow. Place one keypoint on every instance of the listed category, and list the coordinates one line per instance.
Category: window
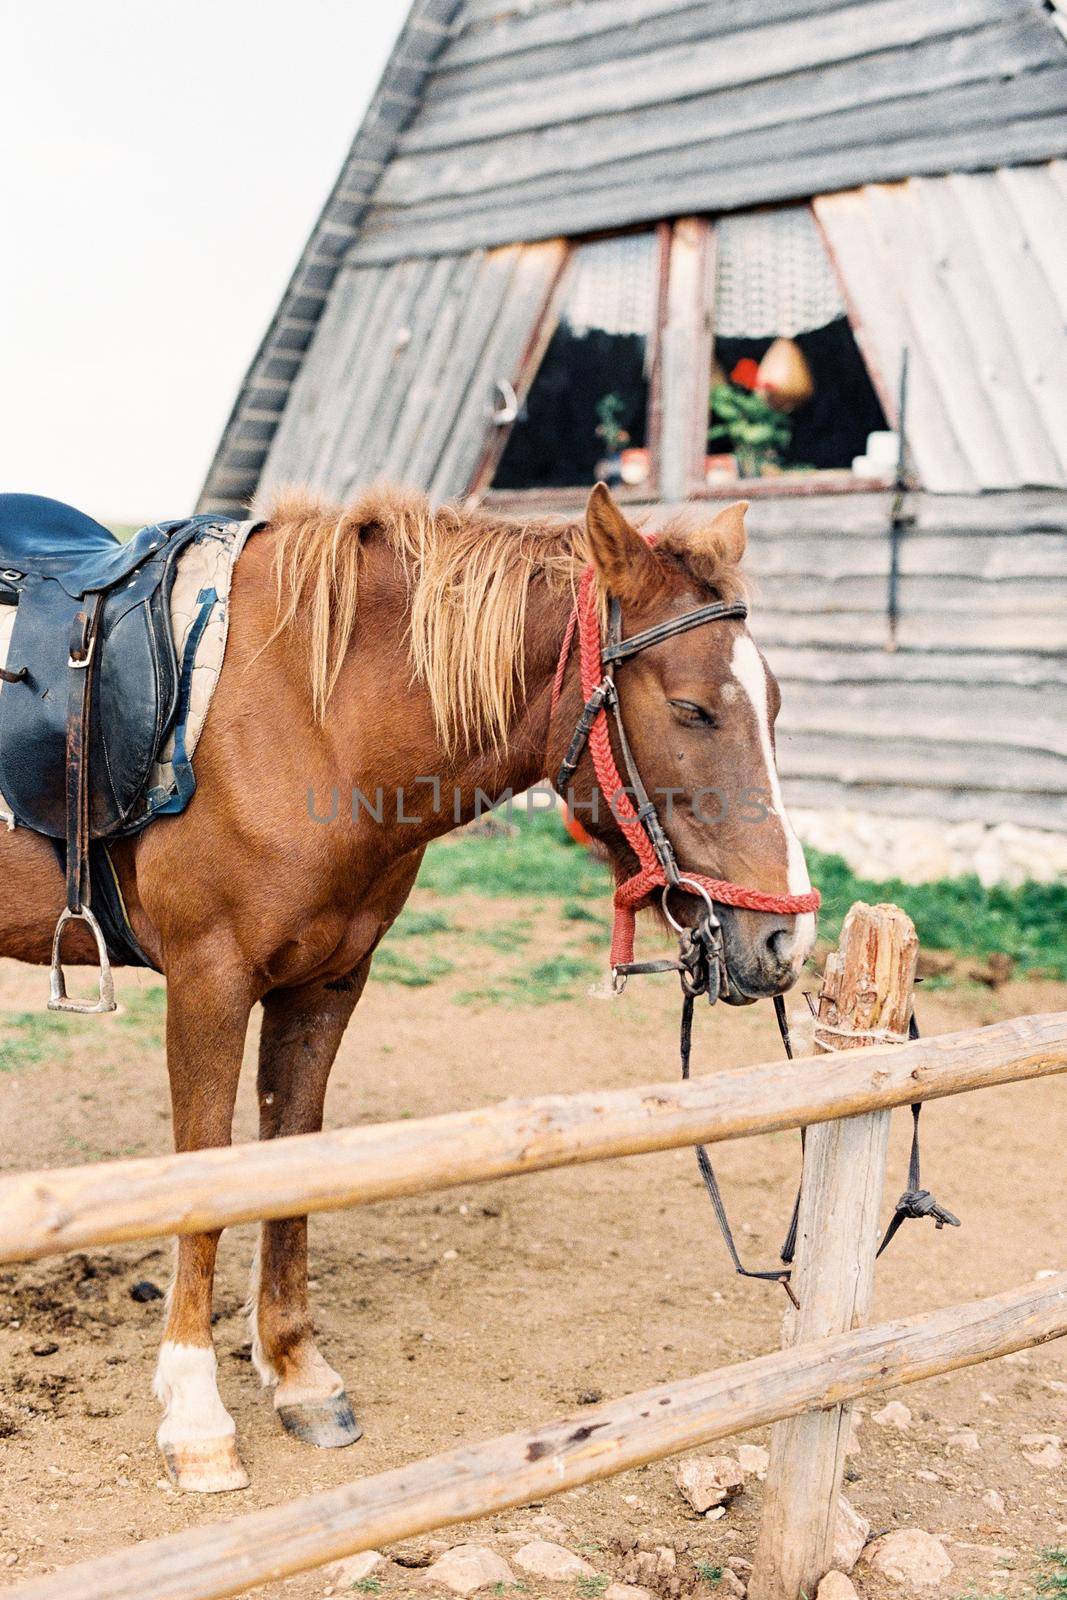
(790, 393)
(587, 413)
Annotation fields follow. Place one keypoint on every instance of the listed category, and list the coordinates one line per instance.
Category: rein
(701, 963)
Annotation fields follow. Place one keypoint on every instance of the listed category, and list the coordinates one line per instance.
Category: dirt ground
(458, 1316)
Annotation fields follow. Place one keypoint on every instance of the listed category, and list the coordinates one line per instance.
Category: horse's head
(699, 711)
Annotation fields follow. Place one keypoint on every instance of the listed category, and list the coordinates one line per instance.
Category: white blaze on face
(746, 663)
(185, 1383)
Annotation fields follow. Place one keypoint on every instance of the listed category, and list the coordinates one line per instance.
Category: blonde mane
(468, 576)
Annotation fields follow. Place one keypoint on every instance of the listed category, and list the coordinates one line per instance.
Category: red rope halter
(632, 894)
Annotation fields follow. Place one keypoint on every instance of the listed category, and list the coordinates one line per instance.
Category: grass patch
(28, 1037)
(396, 966)
(591, 1586)
(709, 1571)
(1028, 923)
(557, 979)
(366, 1585)
(145, 1013)
(1053, 1580)
(539, 859)
(574, 911)
(419, 924)
(508, 938)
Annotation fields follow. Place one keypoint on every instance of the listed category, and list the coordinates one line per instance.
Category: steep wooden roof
(506, 120)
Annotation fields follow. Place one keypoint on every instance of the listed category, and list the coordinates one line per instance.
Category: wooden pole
(867, 990)
(479, 1480)
(46, 1212)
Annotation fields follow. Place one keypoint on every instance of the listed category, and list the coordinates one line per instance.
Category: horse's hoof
(330, 1424)
(206, 1466)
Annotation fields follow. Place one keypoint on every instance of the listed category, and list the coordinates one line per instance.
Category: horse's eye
(692, 715)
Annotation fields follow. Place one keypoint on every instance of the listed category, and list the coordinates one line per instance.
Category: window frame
(680, 374)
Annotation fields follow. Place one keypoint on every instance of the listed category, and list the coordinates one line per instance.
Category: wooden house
(567, 235)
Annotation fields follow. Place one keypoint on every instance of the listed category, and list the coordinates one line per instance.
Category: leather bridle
(702, 963)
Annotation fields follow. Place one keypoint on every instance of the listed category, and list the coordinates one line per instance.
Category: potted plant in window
(743, 416)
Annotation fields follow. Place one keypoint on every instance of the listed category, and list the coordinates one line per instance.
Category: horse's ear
(617, 550)
(728, 529)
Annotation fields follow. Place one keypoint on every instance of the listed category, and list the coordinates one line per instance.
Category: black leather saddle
(90, 688)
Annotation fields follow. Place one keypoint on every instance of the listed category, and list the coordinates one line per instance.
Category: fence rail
(478, 1480)
(47, 1212)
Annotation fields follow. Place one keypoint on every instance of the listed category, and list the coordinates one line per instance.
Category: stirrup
(57, 983)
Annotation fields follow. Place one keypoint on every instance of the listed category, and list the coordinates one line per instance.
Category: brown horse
(376, 648)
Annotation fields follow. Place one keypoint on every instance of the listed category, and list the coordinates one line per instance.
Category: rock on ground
(626, 1591)
(753, 1458)
(894, 1415)
(911, 1558)
(353, 1568)
(965, 1439)
(836, 1586)
(1042, 1449)
(730, 1584)
(552, 1561)
(708, 1481)
(994, 1500)
(850, 1535)
(466, 1568)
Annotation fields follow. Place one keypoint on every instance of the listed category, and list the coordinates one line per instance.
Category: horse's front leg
(302, 1029)
(207, 1019)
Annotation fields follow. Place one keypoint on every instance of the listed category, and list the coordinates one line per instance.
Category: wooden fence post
(867, 988)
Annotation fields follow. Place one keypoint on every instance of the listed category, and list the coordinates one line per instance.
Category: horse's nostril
(780, 944)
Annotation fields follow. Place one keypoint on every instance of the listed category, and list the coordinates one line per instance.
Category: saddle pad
(200, 622)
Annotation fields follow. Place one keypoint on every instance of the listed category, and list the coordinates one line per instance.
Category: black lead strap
(707, 1172)
(916, 1201)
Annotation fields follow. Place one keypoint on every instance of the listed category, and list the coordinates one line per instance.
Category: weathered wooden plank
(531, 35)
(576, 146)
(687, 352)
(985, 557)
(966, 110)
(1040, 202)
(344, 461)
(310, 417)
(47, 1212)
(692, 182)
(470, 327)
(683, 71)
(477, 1480)
(1035, 323)
(421, 403)
(926, 631)
(971, 670)
(868, 984)
(985, 360)
(499, 358)
(827, 792)
(980, 766)
(950, 592)
(931, 713)
(407, 367)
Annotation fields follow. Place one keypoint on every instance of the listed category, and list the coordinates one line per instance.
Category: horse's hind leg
(302, 1029)
(207, 1018)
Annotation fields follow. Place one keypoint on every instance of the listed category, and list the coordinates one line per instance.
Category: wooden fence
(850, 1093)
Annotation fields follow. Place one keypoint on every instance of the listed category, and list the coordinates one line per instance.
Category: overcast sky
(160, 169)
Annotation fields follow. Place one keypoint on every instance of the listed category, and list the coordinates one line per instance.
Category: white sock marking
(185, 1383)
